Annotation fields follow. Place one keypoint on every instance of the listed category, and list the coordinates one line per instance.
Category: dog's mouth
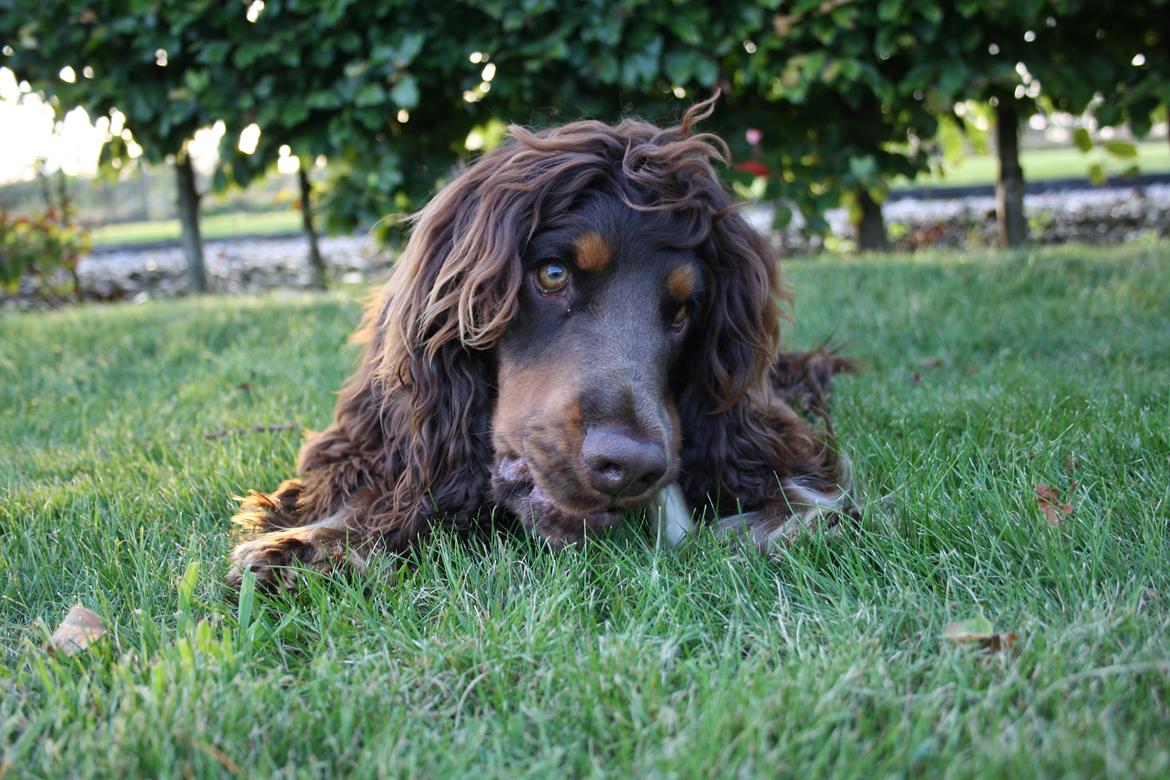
(560, 517)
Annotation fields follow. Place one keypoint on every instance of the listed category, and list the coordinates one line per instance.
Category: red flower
(754, 167)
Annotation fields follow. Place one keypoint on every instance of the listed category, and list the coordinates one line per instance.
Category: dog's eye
(680, 319)
(552, 277)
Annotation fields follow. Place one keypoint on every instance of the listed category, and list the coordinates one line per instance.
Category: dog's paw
(805, 512)
(277, 558)
(271, 557)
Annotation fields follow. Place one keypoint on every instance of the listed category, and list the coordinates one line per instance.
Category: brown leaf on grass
(930, 362)
(80, 629)
(1055, 510)
(979, 631)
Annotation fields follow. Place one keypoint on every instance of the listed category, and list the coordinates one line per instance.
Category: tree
(999, 43)
(380, 93)
(1112, 60)
(833, 81)
(356, 88)
(130, 57)
(791, 76)
(1023, 56)
(336, 78)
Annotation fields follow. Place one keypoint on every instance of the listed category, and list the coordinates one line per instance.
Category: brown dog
(581, 325)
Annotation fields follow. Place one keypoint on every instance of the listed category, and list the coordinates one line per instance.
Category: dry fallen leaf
(1054, 509)
(80, 629)
(980, 631)
(930, 362)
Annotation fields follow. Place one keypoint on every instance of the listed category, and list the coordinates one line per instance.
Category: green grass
(216, 226)
(497, 658)
(1040, 164)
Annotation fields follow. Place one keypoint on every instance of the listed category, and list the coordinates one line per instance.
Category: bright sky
(28, 132)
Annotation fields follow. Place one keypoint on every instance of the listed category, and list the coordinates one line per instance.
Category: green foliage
(139, 57)
(39, 248)
(841, 97)
(1117, 50)
(378, 90)
(1082, 139)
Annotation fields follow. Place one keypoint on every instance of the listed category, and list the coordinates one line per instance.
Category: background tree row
(841, 97)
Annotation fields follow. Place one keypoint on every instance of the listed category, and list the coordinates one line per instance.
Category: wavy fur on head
(411, 440)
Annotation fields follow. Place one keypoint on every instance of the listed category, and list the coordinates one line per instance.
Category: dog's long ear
(729, 356)
(740, 440)
(425, 386)
(742, 311)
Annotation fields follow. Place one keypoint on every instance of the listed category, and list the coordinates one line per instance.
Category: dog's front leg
(329, 544)
(800, 509)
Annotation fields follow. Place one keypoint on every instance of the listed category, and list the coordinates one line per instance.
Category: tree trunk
(316, 262)
(869, 231)
(1009, 187)
(143, 195)
(189, 219)
(46, 186)
(63, 197)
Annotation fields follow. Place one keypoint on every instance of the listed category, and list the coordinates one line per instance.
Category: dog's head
(573, 311)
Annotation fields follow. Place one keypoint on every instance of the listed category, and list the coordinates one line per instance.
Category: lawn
(1053, 163)
(986, 376)
(229, 225)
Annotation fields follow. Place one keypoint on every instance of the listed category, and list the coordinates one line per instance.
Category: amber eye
(552, 277)
(680, 319)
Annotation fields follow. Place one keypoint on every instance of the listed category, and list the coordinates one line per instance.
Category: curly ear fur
(417, 413)
(742, 443)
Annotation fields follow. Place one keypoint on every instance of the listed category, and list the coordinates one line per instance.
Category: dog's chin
(558, 520)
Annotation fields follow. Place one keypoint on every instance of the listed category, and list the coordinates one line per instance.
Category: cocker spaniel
(581, 325)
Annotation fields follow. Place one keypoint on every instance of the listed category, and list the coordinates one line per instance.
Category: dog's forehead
(603, 233)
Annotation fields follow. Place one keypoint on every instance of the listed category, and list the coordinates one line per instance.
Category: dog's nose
(621, 465)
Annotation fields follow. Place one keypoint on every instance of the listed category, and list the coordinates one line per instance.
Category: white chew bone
(672, 514)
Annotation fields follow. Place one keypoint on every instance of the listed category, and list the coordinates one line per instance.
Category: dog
(581, 326)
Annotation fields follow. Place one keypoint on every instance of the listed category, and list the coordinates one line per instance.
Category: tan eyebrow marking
(681, 283)
(592, 252)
